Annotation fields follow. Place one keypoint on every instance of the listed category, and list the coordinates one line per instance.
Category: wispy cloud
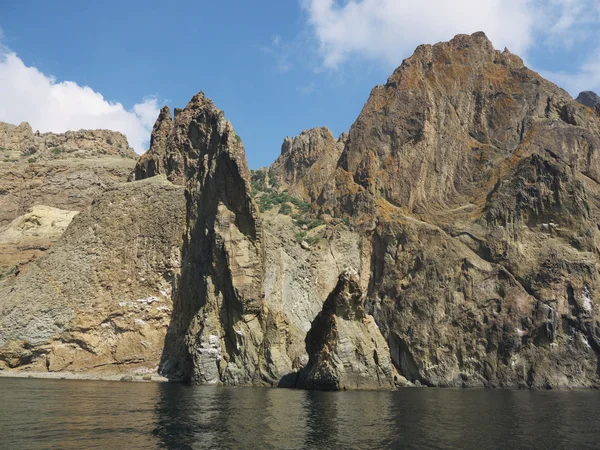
(350, 31)
(281, 52)
(573, 25)
(28, 95)
(388, 30)
(307, 89)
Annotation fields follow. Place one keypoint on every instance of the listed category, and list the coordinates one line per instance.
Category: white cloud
(28, 95)
(389, 30)
(575, 26)
(280, 52)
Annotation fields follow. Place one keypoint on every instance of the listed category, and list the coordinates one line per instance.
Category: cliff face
(65, 171)
(306, 162)
(246, 295)
(482, 179)
(217, 319)
(45, 179)
(103, 291)
(447, 124)
(464, 201)
(22, 141)
(345, 347)
(98, 257)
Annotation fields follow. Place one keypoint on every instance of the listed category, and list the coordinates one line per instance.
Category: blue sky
(276, 67)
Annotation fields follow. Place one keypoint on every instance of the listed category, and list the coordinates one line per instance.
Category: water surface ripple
(40, 414)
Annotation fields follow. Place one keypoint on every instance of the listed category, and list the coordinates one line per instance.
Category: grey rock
(588, 98)
(345, 347)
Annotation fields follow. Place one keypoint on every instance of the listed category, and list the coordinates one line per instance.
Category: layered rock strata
(65, 171)
(103, 292)
(465, 196)
(345, 347)
(479, 182)
(306, 162)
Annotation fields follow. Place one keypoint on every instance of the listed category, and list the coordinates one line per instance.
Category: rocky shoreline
(140, 378)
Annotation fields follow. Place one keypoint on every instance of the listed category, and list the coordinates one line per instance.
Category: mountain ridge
(459, 217)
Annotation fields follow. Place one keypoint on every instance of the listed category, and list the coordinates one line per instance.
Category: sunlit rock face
(449, 239)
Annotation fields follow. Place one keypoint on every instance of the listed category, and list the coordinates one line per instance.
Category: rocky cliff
(103, 291)
(306, 162)
(461, 211)
(345, 347)
(45, 179)
(65, 171)
(588, 98)
(477, 180)
(246, 296)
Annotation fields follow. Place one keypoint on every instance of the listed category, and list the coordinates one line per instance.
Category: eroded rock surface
(103, 292)
(218, 321)
(65, 171)
(306, 162)
(588, 98)
(30, 235)
(479, 181)
(465, 196)
(248, 291)
(345, 347)
(20, 140)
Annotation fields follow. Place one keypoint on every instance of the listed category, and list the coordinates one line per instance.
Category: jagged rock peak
(346, 300)
(345, 347)
(191, 130)
(313, 133)
(588, 98)
(222, 252)
(200, 100)
(432, 137)
(465, 49)
(307, 161)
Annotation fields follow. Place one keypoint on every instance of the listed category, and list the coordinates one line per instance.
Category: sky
(276, 67)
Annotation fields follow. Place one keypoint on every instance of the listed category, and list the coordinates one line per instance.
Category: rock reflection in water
(36, 414)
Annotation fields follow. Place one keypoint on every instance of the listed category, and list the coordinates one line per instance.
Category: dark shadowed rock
(345, 348)
(217, 322)
(588, 98)
(158, 160)
(479, 180)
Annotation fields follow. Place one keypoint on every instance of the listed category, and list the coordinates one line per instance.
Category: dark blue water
(36, 414)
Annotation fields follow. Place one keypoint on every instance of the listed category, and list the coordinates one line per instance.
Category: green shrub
(300, 220)
(31, 160)
(57, 150)
(238, 139)
(5, 271)
(300, 236)
(302, 206)
(312, 240)
(256, 186)
(285, 209)
(315, 223)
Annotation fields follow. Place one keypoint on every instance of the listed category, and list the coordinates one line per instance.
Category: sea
(83, 414)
